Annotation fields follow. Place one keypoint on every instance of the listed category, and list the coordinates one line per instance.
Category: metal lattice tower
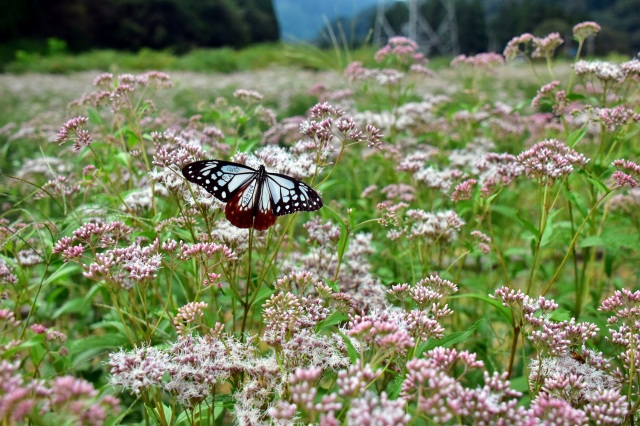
(443, 38)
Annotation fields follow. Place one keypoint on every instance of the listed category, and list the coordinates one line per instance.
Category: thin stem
(246, 303)
(570, 84)
(514, 346)
(575, 238)
(543, 223)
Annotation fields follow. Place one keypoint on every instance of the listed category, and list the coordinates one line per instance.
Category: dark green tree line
(134, 24)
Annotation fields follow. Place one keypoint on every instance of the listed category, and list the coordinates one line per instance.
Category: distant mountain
(303, 20)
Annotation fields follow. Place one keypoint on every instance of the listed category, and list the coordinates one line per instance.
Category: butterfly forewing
(254, 197)
(220, 178)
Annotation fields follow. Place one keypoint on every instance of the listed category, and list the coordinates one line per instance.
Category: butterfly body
(255, 198)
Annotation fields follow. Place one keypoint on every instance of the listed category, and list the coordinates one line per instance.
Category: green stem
(543, 223)
(246, 303)
(575, 238)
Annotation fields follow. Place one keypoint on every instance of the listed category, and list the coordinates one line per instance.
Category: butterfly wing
(223, 179)
(289, 195)
(243, 212)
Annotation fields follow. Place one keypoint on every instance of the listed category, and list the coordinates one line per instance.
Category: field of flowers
(476, 260)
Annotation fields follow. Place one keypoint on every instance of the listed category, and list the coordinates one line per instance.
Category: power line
(443, 37)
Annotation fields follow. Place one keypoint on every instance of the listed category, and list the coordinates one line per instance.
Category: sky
(302, 20)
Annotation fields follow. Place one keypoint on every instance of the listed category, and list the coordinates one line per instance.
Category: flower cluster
(585, 29)
(327, 123)
(195, 365)
(119, 266)
(629, 175)
(120, 91)
(439, 227)
(615, 118)
(546, 47)
(443, 397)
(357, 281)
(603, 71)
(59, 400)
(403, 49)
(481, 61)
(75, 125)
(565, 373)
(550, 160)
(513, 49)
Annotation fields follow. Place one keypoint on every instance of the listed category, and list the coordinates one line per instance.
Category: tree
(472, 27)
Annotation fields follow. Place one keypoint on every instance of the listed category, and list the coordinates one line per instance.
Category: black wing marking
(220, 178)
(237, 185)
(289, 195)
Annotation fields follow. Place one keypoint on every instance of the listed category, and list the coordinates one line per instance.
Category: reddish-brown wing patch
(264, 220)
(238, 217)
(242, 216)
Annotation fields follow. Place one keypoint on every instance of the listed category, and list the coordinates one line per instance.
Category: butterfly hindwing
(220, 178)
(241, 210)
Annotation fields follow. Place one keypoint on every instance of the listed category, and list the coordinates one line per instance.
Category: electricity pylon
(442, 37)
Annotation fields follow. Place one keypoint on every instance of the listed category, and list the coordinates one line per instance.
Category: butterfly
(254, 198)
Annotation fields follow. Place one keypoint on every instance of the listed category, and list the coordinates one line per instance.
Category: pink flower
(546, 47)
(550, 160)
(585, 29)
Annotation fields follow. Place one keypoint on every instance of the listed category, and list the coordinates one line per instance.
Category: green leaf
(550, 230)
(331, 320)
(503, 310)
(167, 413)
(263, 294)
(394, 388)
(65, 270)
(591, 241)
(521, 384)
(598, 184)
(576, 136)
(94, 117)
(353, 354)
(561, 314)
(74, 306)
(571, 196)
(36, 341)
(450, 339)
(82, 350)
(528, 226)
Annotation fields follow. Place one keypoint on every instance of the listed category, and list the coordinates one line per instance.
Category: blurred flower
(544, 91)
(481, 61)
(75, 125)
(513, 47)
(615, 118)
(629, 176)
(439, 227)
(603, 71)
(188, 314)
(6, 273)
(464, 191)
(249, 96)
(585, 29)
(546, 47)
(371, 409)
(48, 166)
(403, 48)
